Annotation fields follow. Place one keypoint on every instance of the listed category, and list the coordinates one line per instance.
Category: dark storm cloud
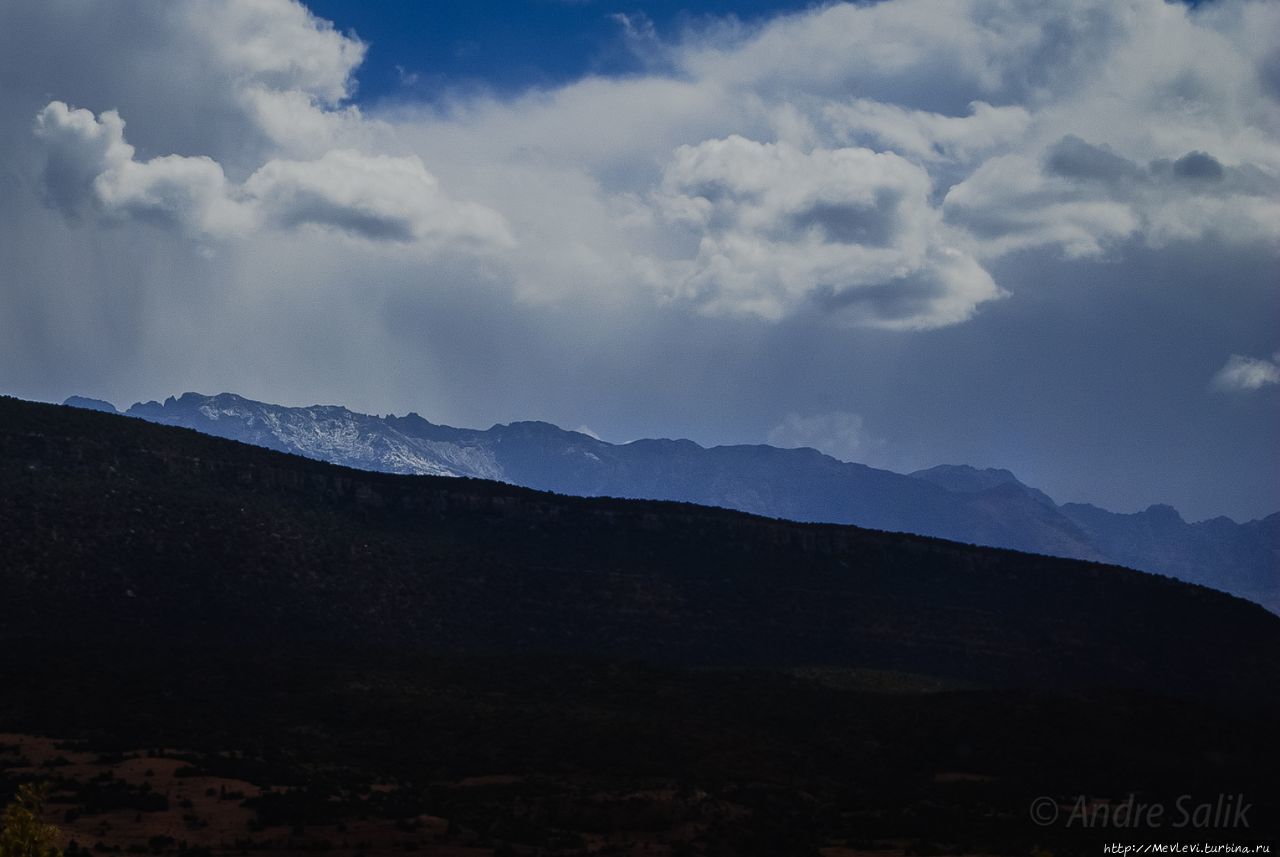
(1198, 165)
(852, 223)
(315, 209)
(1073, 158)
(897, 298)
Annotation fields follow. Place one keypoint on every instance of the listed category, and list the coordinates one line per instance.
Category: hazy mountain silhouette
(957, 502)
(91, 404)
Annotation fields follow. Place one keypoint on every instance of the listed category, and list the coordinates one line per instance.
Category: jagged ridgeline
(961, 503)
(116, 528)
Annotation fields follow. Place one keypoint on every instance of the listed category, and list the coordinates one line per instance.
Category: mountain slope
(545, 671)
(988, 507)
(113, 526)
(1158, 538)
(1240, 558)
(797, 484)
(324, 432)
(963, 479)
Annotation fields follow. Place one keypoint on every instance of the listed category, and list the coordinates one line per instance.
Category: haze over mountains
(980, 506)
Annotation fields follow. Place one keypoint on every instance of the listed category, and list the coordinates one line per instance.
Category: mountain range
(957, 502)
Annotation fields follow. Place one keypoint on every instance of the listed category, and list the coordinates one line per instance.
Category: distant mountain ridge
(979, 506)
(963, 479)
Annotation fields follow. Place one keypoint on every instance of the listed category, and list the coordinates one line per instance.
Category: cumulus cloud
(1085, 199)
(279, 46)
(1244, 374)
(860, 163)
(839, 434)
(80, 148)
(289, 74)
(847, 230)
(90, 166)
(376, 197)
(928, 136)
(989, 128)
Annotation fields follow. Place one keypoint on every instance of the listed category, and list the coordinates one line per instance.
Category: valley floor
(321, 752)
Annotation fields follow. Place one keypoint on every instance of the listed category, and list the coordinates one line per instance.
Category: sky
(1037, 236)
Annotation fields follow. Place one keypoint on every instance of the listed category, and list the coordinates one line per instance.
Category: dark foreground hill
(701, 681)
(986, 507)
(113, 524)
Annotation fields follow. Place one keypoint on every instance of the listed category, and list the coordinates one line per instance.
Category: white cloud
(840, 434)
(278, 45)
(1009, 204)
(847, 230)
(863, 163)
(288, 73)
(292, 121)
(376, 197)
(1086, 199)
(91, 166)
(981, 99)
(1243, 374)
(927, 136)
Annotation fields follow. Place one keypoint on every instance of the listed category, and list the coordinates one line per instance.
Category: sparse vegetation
(22, 832)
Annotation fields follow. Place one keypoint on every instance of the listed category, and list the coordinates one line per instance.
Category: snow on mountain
(325, 432)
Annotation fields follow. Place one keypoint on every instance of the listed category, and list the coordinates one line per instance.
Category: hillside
(685, 679)
(988, 507)
(112, 522)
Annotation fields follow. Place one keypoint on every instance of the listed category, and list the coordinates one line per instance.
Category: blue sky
(510, 46)
(1033, 236)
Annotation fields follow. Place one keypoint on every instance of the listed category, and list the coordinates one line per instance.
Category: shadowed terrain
(692, 680)
(986, 507)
